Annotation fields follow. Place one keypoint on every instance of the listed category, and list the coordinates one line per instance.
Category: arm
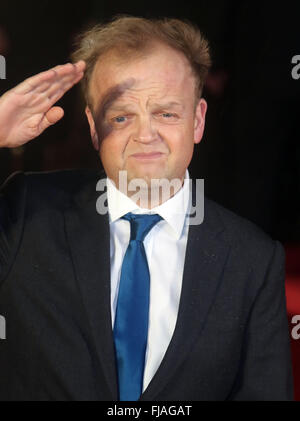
(12, 210)
(25, 112)
(265, 368)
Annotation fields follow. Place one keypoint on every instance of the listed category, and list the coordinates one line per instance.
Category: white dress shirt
(165, 247)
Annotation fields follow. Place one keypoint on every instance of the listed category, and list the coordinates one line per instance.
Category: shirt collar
(173, 211)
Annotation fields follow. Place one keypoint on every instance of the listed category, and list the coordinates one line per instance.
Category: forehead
(163, 71)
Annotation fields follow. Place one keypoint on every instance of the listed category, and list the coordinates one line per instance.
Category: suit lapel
(89, 240)
(206, 256)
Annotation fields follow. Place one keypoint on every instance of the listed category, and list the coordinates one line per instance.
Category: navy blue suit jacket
(231, 340)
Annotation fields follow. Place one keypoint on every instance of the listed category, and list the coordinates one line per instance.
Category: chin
(148, 176)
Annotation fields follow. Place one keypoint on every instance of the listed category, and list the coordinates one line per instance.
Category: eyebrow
(162, 105)
(170, 104)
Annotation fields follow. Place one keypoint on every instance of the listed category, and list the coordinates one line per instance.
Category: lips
(149, 155)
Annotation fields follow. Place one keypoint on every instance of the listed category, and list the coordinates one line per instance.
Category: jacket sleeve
(12, 211)
(265, 367)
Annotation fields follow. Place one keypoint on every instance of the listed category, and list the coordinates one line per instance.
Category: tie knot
(140, 225)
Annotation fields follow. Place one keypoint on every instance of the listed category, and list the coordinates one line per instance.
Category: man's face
(144, 116)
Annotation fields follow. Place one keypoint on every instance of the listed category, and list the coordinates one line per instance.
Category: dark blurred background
(250, 154)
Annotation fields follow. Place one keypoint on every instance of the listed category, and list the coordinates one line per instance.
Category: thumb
(54, 115)
(51, 117)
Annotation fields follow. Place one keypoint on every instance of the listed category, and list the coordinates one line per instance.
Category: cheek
(181, 147)
(107, 149)
(103, 130)
(179, 140)
(111, 149)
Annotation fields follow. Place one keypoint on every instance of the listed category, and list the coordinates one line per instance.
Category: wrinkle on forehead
(113, 93)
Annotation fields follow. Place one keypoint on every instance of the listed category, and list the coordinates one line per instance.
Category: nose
(145, 131)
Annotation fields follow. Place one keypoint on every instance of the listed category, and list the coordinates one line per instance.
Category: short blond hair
(131, 37)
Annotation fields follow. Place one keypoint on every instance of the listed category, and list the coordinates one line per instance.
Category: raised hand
(27, 110)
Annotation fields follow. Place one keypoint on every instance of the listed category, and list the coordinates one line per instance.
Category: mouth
(146, 156)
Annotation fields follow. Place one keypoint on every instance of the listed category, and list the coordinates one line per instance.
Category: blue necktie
(131, 322)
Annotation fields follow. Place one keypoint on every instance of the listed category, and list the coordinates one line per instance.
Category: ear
(199, 120)
(93, 131)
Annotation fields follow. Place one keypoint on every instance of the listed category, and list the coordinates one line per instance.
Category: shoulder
(52, 188)
(27, 198)
(247, 240)
(62, 182)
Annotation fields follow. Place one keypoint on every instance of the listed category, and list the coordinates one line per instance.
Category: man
(136, 303)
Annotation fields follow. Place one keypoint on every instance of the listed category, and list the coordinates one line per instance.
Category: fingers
(33, 82)
(80, 65)
(45, 80)
(62, 85)
(49, 89)
(51, 96)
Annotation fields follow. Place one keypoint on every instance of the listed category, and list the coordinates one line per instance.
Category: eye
(168, 115)
(120, 119)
